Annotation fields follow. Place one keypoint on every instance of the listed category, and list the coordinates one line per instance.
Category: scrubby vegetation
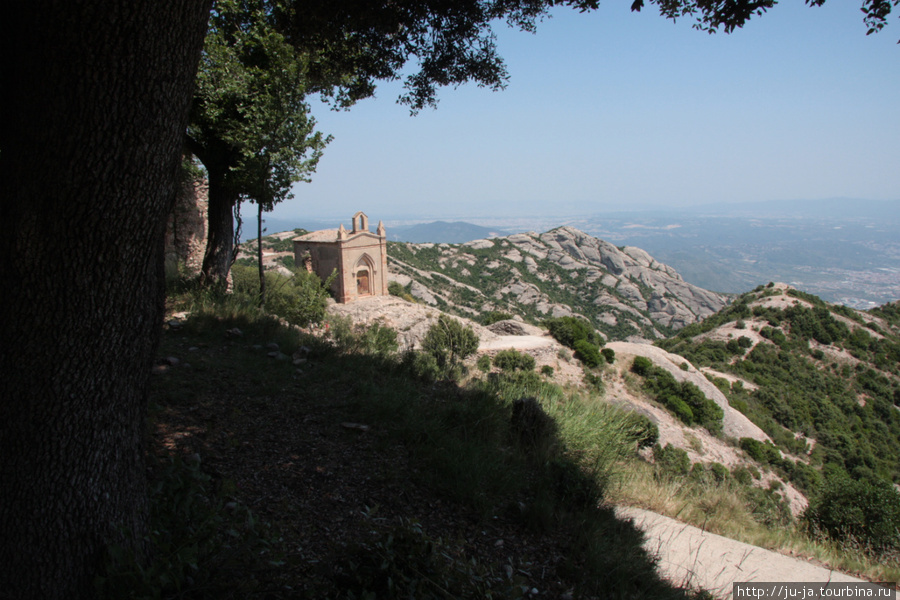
(511, 445)
(684, 399)
(581, 337)
(513, 360)
(823, 373)
(861, 512)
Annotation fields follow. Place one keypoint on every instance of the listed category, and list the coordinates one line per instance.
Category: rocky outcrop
(625, 292)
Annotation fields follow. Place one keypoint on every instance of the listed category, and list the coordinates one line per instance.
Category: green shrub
(395, 289)
(301, 299)
(448, 341)
(641, 365)
(671, 459)
(494, 316)
(679, 408)
(762, 452)
(594, 381)
(684, 399)
(483, 363)
(587, 353)
(867, 512)
(513, 360)
(718, 471)
(742, 475)
(422, 365)
(379, 340)
(547, 370)
(609, 354)
(568, 330)
(646, 431)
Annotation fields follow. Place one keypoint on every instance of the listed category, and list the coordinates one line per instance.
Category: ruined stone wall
(325, 259)
(186, 229)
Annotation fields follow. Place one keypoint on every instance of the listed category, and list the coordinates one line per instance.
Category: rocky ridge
(624, 292)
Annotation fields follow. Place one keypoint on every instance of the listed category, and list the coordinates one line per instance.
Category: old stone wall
(186, 229)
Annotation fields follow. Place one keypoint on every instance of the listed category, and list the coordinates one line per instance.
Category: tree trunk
(259, 254)
(95, 99)
(220, 235)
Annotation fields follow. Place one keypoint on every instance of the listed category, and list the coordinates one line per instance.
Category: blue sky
(614, 110)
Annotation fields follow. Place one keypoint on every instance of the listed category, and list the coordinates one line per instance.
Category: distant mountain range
(442, 232)
(844, 250)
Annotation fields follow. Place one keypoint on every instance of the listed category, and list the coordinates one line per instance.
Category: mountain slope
(823, 381)
(624, 292)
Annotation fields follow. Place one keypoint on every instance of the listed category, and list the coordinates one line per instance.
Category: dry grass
(718, 507)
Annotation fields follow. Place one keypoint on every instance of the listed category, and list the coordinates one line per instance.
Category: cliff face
(624, 292)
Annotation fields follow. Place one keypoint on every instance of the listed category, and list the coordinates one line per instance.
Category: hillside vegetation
(823, 382)
(468, 437)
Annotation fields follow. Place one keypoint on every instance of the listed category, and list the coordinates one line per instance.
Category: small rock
(174, 324)
(234, 332)
(171, 360)
(357, 426)
(272, 346)
(299, 361)
(159, 369)
(498, 544)
(193, 349)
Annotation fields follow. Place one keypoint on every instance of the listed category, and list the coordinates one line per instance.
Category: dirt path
(690, 556)
(517, 342)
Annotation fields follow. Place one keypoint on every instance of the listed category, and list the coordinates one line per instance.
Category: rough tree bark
(95, 99)
(220, 233)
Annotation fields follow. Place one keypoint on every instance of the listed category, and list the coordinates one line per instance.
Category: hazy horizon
(619, 110)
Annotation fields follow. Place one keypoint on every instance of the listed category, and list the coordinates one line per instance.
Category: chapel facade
(359, 257)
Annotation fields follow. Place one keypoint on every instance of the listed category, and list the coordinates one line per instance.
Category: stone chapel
(359, 256)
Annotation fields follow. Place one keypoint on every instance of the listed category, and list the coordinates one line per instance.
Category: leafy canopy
(249, 118)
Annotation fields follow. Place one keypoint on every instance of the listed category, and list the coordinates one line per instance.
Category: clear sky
(614, 110)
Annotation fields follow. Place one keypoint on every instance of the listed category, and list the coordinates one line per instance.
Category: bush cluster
(581, 337)
(513, 360)
(300, 299)
(684, 399)
(866, 512)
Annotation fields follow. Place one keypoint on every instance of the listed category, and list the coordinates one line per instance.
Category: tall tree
(95, 102)
(95, 99)
(250, 124)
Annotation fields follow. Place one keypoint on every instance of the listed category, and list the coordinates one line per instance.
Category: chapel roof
(323, 235)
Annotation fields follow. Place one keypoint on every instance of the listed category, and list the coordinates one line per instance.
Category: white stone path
(690, 556)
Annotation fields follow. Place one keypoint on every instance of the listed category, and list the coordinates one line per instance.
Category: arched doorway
(365, 276)
(362, 283)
